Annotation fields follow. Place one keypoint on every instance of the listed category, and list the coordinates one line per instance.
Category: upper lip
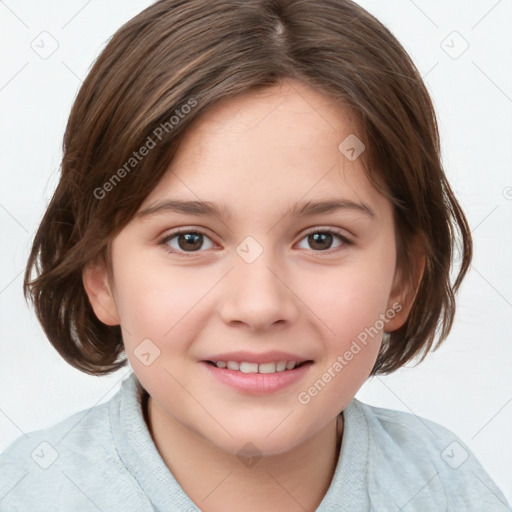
(251, 357)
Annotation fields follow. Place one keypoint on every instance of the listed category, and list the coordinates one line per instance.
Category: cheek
(353, 314)
(352, 307)
(167, 305)
(352, 299)
(153, 301)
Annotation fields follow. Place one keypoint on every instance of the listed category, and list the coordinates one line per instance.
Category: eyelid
(345, 240)
(337, 231)
(316, 229)
(178, 231)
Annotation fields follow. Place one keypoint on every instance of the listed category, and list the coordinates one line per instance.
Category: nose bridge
(257, 277)
(258, 295)
(254, 276)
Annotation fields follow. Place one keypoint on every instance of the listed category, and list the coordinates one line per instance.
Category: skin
(258, 154)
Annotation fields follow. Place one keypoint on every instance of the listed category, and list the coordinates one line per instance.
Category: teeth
(249, 367)
(281, 366)
(246, 367)
(267, 368)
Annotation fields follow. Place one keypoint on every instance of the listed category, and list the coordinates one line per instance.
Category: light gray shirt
(104, 459)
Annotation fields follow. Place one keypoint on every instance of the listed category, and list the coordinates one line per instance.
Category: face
(213, 315)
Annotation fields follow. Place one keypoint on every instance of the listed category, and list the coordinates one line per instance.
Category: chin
(247, 447)
(259, 438)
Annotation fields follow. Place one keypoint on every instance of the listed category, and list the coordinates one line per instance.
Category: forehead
(284, 114)
(272, 146)
(287, 95)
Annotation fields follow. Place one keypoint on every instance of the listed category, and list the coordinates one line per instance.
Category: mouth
(252, 367)
(258, 374)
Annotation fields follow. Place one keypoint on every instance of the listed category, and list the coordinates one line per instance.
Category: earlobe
(99, 292)
(401, 306)
(405, 288)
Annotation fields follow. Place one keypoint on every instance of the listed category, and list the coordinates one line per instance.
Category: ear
(99, 291)
(405, 285)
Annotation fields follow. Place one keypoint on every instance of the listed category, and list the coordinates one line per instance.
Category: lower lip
(258, 383)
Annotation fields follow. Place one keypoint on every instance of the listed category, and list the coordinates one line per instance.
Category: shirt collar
(142, 459)
(139, 453)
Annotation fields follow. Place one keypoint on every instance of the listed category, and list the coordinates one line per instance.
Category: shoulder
(423, 463)
(63, 467)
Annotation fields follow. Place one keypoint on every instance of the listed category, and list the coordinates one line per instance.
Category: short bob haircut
(171, 63)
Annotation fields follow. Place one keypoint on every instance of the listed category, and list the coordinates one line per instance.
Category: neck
(218, 481)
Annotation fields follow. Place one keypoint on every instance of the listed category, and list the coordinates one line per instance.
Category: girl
(252, 213)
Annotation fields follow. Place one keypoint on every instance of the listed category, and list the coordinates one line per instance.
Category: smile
(247, 367)
(258, 378)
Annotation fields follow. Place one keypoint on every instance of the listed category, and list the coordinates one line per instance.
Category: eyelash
(345, 241)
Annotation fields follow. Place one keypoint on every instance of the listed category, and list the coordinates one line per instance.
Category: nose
(257, 295)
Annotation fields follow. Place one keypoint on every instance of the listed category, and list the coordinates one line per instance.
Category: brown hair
(194, 53)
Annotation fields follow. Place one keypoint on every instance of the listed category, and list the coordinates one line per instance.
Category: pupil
(192, 241)
(318, 238)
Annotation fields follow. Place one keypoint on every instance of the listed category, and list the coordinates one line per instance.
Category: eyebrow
(301, 209)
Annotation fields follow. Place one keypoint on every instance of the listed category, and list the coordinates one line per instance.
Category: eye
(183, 241)
(321, 240)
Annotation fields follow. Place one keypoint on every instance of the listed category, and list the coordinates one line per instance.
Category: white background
(466, 385)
